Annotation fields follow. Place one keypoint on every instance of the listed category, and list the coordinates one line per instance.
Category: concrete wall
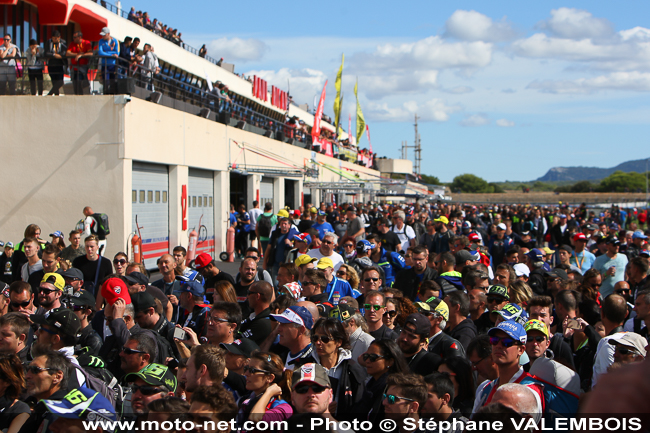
(404, 166)
(64, 153)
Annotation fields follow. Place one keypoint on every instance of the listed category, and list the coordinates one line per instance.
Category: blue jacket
(107, 49)
(341, 286)
(391, 263)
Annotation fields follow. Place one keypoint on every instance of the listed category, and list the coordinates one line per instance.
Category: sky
(504, 90)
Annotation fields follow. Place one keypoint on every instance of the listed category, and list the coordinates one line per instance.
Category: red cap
(579, 237)
(473, 237)
(296, 213)
(202, 260)
(114, 289)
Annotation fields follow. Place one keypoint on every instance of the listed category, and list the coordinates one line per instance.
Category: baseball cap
(579, 237)
(513, 312)
(282, 213)
(613, 240)
(313, 210)
(521, 269)
(114, 289)
(346, 311)
(467, 225)
(591, 227)
(351, 209)
(295, 314)
(55, 279)
(82, 403)
(364, 245)
(202, 260)
(536, 325)
(547, 250)
(65, 321)
(442, 219)
(56, 234)
(498, 290)
(73, 274)
(513, 329)
(558, 273)
(633, 341)
(193, 287)
(613, 226)
(303, 259)
(314, 373)
(322, 213)
(294, 289)
(325, 263)
(644, 253)
(437, 305)
(566, 248)
(9, 244)
(142, 301)
(82, 298)
(189, 275)
(501, 226)
(473, 237)
(137, 278)
(421, 323)
(561, 216)
(105, 31)
(463, 255)
(302, 237)
(155, 375)
(241, 347)
(296, 213)
(536, 255)
(638, 234)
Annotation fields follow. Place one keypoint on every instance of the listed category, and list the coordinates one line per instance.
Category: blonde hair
(520, 292)
(353, 277)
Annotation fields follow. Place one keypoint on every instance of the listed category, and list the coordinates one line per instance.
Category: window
(210, 201)
(164, 196)
(141, 196)
(157, 196)
(149, 196)
(200, 201)
(193, 201)
(134, 196)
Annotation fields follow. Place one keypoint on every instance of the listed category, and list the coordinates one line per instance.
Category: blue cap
(82, 403)
(364, 245)
(596, 220)
(561, 216)
(188, 275)
(57, 234)
(295, 314)
(514, 330)
(193, 287)
(639, 235)
(513, 312)
(536, 255)
(322, 213)
(302, 237)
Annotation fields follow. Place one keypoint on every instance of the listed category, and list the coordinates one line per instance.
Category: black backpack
(101, 380)
(101, 227)
(264, 226)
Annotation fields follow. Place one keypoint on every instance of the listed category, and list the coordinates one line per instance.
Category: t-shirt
(89, 269)
(405, 234)
(27, 270)
(323, 228)
(254, 214)
(354, 226)
(583, 261)
(80, 48)
(211, 282)
(390, 241)
(305, 225)
(602, 264)
(336, 258)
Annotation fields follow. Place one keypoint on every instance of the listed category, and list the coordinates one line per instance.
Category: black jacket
(90, 342)
(537, 282)
(464, 332)
(558, 238)
(257, 329)
(349, 390)
(51, 48)
(384, 333)
(483, 323)
(445, 346)
(424, 362)
(409, 283)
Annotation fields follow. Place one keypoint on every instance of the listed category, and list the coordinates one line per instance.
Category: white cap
(501, 226)
(521, 269)
(105, 31)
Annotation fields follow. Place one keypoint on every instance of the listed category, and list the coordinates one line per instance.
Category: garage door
(200, 199)
(266, 192)
(151, 208)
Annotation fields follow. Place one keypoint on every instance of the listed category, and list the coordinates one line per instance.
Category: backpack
(264, 226)
(101, 227)
(106, 384)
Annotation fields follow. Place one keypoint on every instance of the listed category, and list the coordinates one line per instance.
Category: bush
(622, 182)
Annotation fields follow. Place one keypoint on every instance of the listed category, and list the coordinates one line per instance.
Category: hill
(575, 174)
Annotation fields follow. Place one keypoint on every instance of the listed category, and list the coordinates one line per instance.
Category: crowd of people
(144, 20)
(425, 312)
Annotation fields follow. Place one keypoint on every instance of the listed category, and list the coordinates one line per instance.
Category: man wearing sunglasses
(50, 291)
(21, 299)
(311, 391)
(294, 327)
(440, 343)
(83, 305)
(374, 309)
(629, 348)
(153, 382)
(497, 298)
(404, 397)
(73, 277)
(326, 250)
(537, 340)
(334, 284)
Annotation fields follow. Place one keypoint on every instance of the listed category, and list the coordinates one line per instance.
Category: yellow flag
(361, 122)
(337, 100)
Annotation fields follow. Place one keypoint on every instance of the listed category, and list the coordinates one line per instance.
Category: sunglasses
(497, 299)
(47, 330)
(303, 389)
(391, 313)
(79, 307)
(146, 389)
(538, 339)
(392, 399)
(327, 242)
(371, 306)
(506, 341)
(129, 351)
(217, 319)
(625, 351)
(349, 245)
(34, 369)
(45, 291)
(341, 273)
(119, 262)
(372, 357)
(252, 370)
(324, 338)
(374, 280)
(20, 304)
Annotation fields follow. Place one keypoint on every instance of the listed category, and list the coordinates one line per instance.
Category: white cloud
(237, 50)
(474, 26)
(379, 86)
(623, 81)
(475, 120)
(436, 110)
(458, 90)
(637, 33)
(542, 46)
(508, 90)
(572, 23)
(505, 123)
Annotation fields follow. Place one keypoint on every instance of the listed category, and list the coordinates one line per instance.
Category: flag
(315, 130)
(350, 137)
(338, 101)
(361, 122)
(369, 143)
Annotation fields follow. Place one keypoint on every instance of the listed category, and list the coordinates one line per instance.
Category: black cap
(613, 241)
(558, 273)
(421, 323)
(82, 298)
(346, 311)
(73, 274)
(65, 321)
(241, 347)
(566, 248)
(142, 301)
(351, 209)
(137, 278)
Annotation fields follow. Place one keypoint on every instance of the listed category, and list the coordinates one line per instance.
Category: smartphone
(573, 324)
(180, 334)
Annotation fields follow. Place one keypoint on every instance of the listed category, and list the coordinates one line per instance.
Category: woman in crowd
(270, 386)
(382, 358)
(12, 382)
(224, 292)
(347, 250)
(332, 351)
(460, 373)
(392, 310)
(520, 293)
(57, 240)
(119, 263)
(347, 272)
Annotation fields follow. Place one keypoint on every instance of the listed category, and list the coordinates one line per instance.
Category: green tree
(431, 180)
(469, 183)
(582, 186)
(622, 182)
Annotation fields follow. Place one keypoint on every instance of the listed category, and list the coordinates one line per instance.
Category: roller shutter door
(151, 207)
(200, 199)
(266, 192)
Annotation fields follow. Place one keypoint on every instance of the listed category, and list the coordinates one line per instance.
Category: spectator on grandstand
(31, 249)
(136, 354)
(326, 250)
(257, 326)
(21, 299)
(254, 253)
(94, 267)
(79, 52)
(50, 291)
(313, 285)
(440, 343)
(497, 298)
(374, 309)
(18, 259)
(413, 340)
(334, 284)
(629, 348)
(139, 282)
(459, 325)
(49, 263)
(205, 366)
(15, 335)
(541, 308)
